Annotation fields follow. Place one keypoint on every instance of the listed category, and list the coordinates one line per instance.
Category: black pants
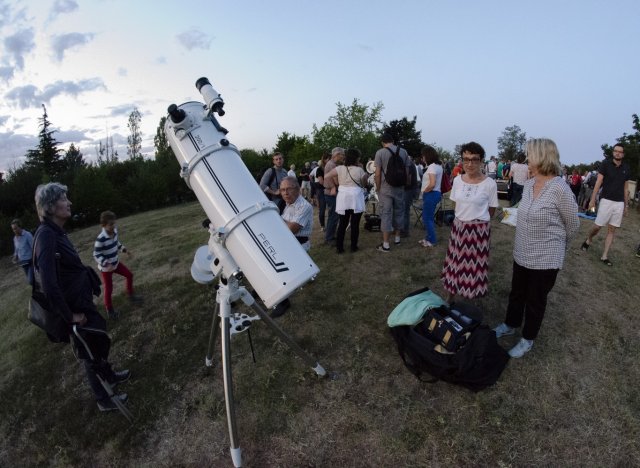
(95, 320)
(354, 218)
(528, 298)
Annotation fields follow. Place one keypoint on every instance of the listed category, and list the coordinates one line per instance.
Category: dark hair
(352, 157)
(473, 148)
(521, 157)
(387, 138)
(618, 144)
(106, 217)
(17, 222)
(429, 154)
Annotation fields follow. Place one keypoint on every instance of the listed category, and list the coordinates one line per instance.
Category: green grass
(573, 400)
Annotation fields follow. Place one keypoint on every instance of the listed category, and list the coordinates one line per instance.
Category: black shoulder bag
(40, 313)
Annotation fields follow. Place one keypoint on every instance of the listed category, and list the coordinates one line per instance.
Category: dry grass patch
(573, 400)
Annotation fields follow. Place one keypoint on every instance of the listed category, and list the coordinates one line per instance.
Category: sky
(565, 70)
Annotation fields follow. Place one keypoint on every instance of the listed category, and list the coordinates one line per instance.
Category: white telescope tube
(268, 254)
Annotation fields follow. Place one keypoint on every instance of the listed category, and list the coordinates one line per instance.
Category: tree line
(141, 183)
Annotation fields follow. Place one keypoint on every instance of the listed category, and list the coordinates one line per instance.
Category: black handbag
(51, 323)
(94, 279)
(40, 313)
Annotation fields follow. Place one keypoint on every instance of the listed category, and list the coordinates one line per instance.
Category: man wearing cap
(390, 198)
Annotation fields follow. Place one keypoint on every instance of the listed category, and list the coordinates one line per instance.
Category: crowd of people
(547, 220)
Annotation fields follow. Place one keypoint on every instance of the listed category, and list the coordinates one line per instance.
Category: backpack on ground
(372, 222)
(448, 343)
(396, 173)
(445, 183)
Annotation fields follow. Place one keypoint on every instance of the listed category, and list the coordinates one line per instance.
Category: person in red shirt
(457, 170)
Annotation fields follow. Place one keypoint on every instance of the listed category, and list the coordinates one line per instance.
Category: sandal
(585, 246)
(606, 261)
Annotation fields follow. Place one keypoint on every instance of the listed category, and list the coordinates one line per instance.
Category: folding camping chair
(93, 344)
(444, 210)
(417, 209)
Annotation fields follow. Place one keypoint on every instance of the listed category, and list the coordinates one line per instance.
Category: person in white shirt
(431, 194)
(518, 174)
(466, 265)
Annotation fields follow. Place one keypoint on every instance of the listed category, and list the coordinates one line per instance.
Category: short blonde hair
(543, 154)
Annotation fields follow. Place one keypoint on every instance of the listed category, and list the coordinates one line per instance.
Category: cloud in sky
(6, 73)
(70, 136)
(194, 39)
(29, 95)
(5, 14)
(63, 42)
(124, 109)
(20, 44)
(63, 6)
(12, 143)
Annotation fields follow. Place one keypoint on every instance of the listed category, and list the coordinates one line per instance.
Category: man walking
(613, 177)
(390, 197)
(23, 246)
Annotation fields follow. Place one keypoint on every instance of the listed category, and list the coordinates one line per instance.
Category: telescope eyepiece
(177, 115)
(211, 97)
(201, 82)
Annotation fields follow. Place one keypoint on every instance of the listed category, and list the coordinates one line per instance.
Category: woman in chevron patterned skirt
(466, 266)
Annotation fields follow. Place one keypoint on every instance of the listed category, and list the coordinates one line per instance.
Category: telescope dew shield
(266, 251)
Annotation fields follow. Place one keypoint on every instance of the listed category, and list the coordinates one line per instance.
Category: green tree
(631, 145)
(134, 140)
(406, 135)
(105, 152)
(174, 189)
(46, 157)
(354, 126)
(73, 163)
(296, 150)
(511, 142)
(73, 159)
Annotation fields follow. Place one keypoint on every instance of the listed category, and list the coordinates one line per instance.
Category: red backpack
(445, 184)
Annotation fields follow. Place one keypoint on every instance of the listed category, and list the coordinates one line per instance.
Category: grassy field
(572, 401)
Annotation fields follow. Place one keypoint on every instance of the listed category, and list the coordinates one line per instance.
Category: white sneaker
(523, 347)
(504, 330)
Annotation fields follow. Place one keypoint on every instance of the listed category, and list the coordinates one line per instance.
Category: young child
(105, 251)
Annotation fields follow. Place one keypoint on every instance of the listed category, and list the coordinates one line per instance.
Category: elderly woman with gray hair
(65, 282)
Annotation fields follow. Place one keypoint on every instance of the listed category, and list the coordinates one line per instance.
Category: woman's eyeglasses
(471, 160)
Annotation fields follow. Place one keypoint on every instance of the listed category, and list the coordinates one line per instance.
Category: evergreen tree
(46, 157)
(73, 159)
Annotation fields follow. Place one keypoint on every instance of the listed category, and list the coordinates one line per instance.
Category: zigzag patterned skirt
(466, 266)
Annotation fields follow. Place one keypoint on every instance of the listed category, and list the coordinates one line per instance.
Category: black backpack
(396, 173)
(476, 362)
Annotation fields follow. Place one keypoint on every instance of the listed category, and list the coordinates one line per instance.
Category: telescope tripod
(230, 323)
